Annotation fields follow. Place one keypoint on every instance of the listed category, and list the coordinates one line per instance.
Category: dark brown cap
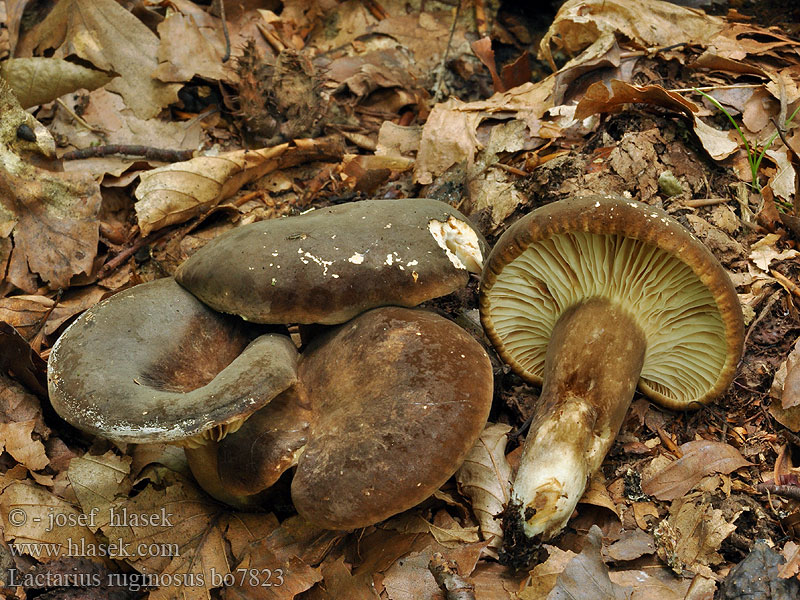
(329, 265)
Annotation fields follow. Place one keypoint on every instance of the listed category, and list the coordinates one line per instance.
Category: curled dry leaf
(175, 193)
(648, 23)
(485, 478)
(599, 99)
(38, 80)
(700, 458)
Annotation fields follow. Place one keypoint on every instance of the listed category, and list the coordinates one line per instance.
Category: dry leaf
(40, 80)
(586, 576)
(544, 575)
(32, 515)
(648, 23)
(25, 313)
(51, 216)
(17, 404)
(175, 193)
(16, 437)
(97, 481)
(632, 545)
(700, 458)
(791, 552)
(692, 534)
(112, 39)
(652, 584)
(485, 478)
(185, 52)
(764, 251)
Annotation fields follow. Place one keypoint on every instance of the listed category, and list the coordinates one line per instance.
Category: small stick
(79, 120)
(227, 55)
(700, 202)
(443, 66)
(124, 255)
(148, 152)
(790, 285)
(708, 88)
(785, 491)
(510, 169)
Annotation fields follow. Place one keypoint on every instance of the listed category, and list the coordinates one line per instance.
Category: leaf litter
(391, 104)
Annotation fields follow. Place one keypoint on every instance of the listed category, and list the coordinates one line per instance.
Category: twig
(443, 66)
(708, 88)
(700, 202)
(148, 152)
(790, 285)
(79, 120)
(447, 578)
(124, 255)
(221, 6)
(784, 491)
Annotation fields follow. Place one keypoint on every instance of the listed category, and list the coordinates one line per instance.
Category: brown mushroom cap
(153, 364)
(331, 264)
(639, 259)
(266, 445)
(401, 396)
(390, 403)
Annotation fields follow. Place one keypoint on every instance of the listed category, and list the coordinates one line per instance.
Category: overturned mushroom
(390, 404)
(153, 364)
(331, 264)
(591, 297)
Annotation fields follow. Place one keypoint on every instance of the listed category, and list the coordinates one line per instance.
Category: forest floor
(148, 142)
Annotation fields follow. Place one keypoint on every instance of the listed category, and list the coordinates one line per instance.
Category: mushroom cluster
(203, 360)
(592, 298)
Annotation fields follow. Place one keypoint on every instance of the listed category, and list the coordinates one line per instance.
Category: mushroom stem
(592, 366)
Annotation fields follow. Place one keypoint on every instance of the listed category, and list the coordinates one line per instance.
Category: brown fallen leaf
(16, 437)
(50, 216)
(632, 545)
(40, 80)
(25, 313)
(544, 575)
(97, 481)
(652, 584)
(175, 193)
(791, 552)
(700, 458)
(485, 478)
(108, 36)
(50, 527)
(692, 534)
(19, 405)
(649, 23)
(586, 576)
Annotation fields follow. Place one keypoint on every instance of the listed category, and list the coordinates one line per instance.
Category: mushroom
(153, 364)
(331, 264)
(390, 404)
(591, 297)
